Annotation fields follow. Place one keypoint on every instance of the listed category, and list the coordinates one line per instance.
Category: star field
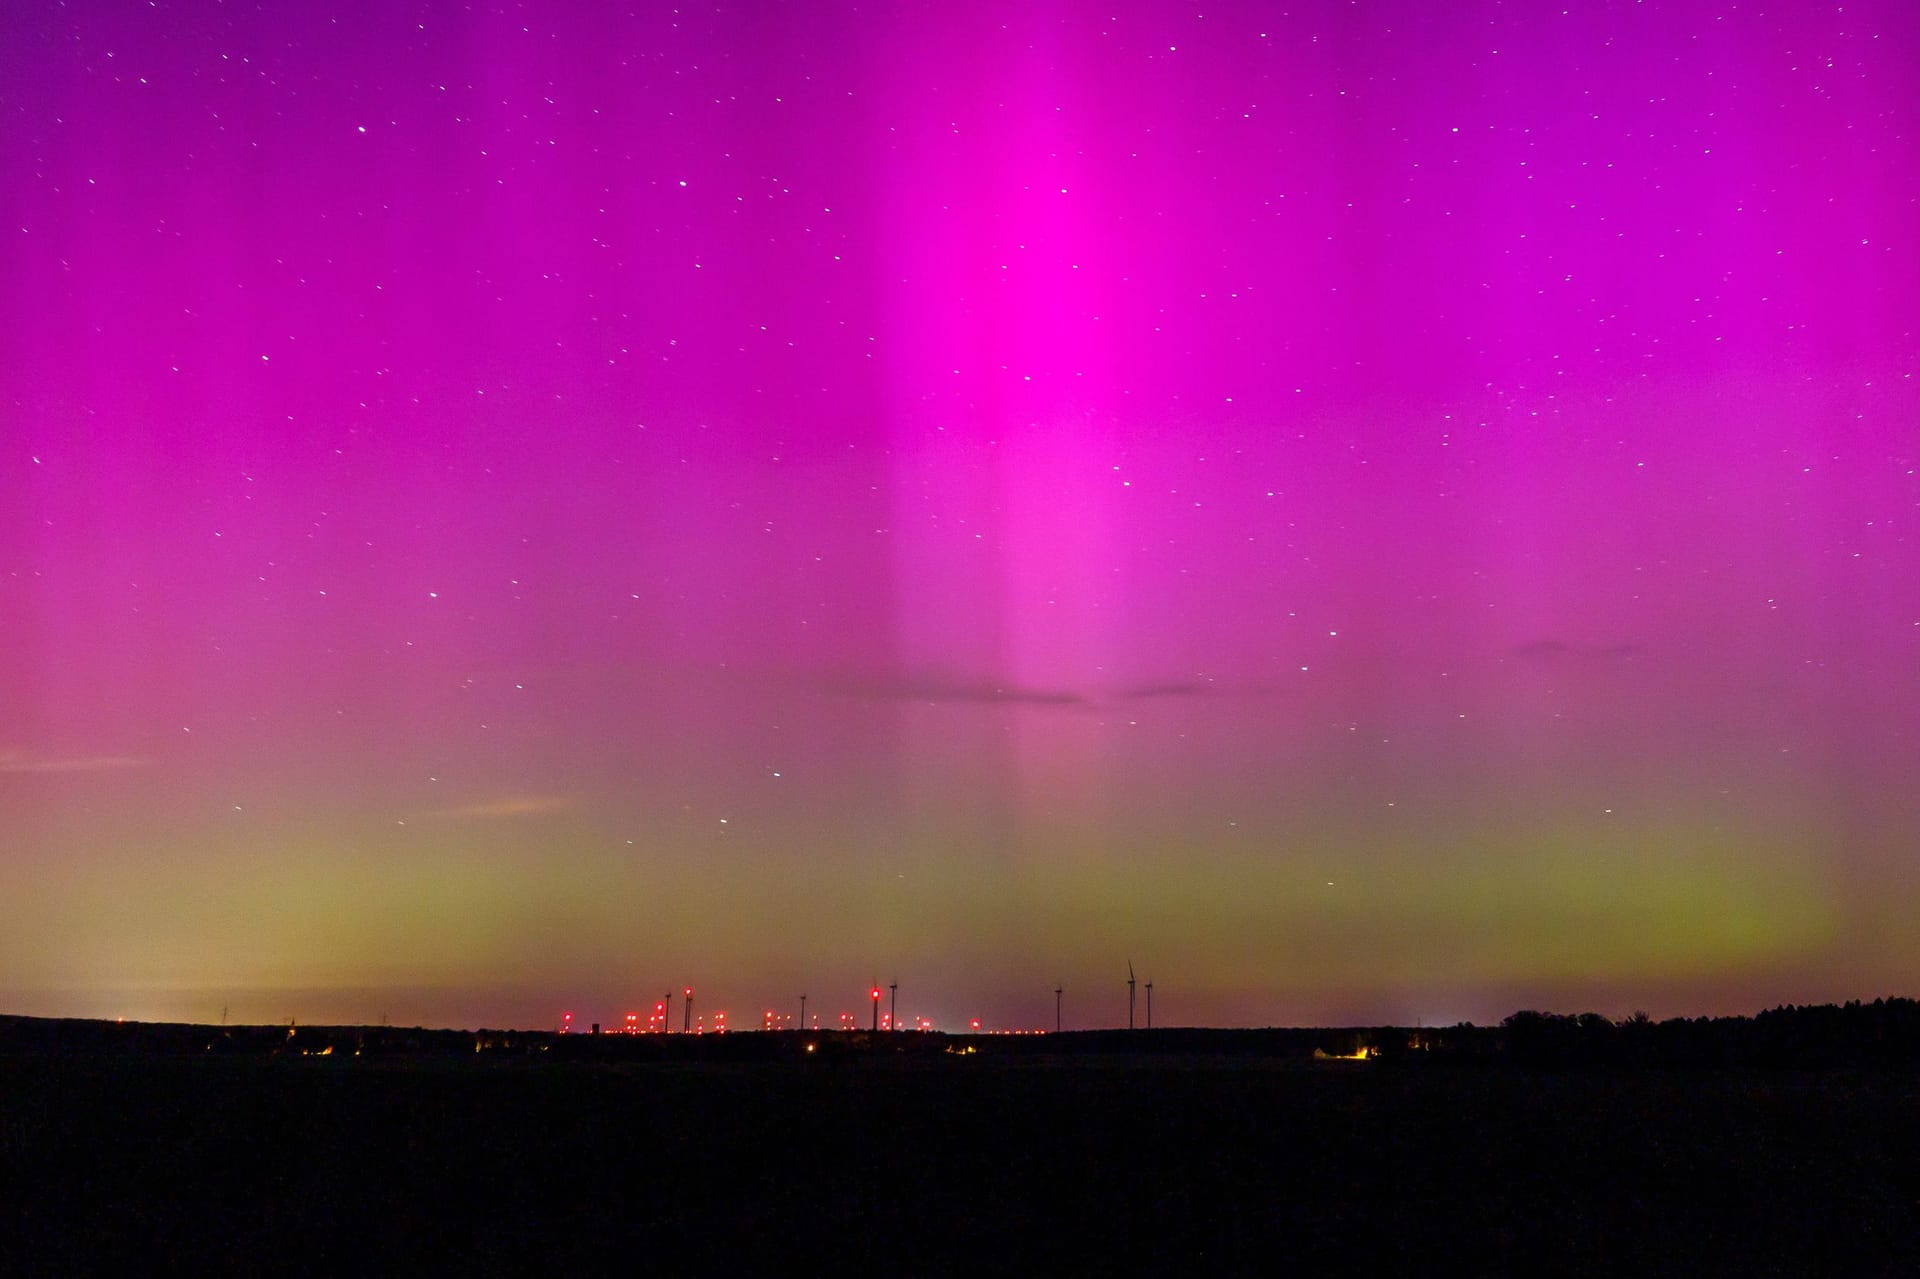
(1371, 512)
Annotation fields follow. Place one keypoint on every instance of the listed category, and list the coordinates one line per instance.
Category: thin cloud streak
(949, 689)
(933, 688)
(1178, 688)
(20, 762)
(1547, 649)
(510, 809)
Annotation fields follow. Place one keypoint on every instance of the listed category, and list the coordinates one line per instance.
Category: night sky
(1371, 512)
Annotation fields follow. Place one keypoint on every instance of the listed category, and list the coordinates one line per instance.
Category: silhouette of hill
(1885, 1032)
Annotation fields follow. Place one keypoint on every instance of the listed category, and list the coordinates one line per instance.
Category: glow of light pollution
(1371, 512)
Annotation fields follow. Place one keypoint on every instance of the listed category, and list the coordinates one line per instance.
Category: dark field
(942, 1163)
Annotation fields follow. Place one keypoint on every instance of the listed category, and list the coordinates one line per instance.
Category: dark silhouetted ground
(128, 1149)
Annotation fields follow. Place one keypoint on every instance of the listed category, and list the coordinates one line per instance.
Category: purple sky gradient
(1372, 512)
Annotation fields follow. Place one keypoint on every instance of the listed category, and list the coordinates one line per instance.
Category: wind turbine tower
(1129, 994)
(1149, 1005)
(1056, 1008)
(893, 995)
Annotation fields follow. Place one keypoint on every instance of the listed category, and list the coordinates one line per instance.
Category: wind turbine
(1056, 1008)
(893, 994)
(803, 1012)
(1129, 994)
(1149, 1005)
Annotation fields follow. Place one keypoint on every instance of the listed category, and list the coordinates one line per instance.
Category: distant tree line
(1885, 1032)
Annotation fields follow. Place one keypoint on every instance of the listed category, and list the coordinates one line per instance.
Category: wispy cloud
(21, 762)
(942, 688)
(508, 809)
(939, 688)
(1550, 649)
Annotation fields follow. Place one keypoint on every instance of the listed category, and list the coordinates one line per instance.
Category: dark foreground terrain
(852, 1158)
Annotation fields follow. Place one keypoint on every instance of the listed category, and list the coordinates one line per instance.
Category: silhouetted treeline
(154, 1038)
(1885, 1032)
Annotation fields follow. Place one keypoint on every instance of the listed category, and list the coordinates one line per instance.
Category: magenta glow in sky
(1369, 511)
